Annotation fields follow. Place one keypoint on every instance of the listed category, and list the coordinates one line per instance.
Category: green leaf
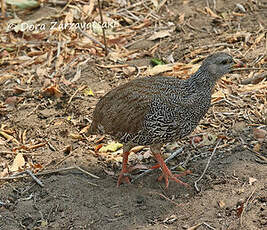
(24, 4)
(156, 61)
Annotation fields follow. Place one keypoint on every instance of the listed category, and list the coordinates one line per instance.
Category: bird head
(218, 64)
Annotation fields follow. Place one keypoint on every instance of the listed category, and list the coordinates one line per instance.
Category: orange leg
(123, 178)
(167, 174)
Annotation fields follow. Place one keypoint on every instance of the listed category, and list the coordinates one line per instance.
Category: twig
(103, 29)
(169, 158)
(207, 165)
(73, 95)
(207, 225)
(30, 113)
(238, 69)
(50, 172)
(7, 152)
(245, 206)
(255, 79)
(214, 45)
(93, 39)
(161, 5)
(34, 178)
(3, 10)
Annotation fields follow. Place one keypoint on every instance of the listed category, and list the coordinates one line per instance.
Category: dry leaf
(8, 137)
(137, 148)
(251, 180)
(88, 92)
(221, 204)
(257, 147)
(18, 163)
(160, 34)
(259, 38)
(6, 77)
(52, 91)
(181, 19)
(260, 134)
(75, 136)
(112, 147)
(159, 69)
(211, 13)
(208, 139)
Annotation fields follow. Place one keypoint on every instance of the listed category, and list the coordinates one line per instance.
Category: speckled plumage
(154, 110)
(157, 110)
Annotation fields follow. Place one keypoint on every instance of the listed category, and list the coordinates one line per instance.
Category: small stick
(91, 38)
(73, 95)
(169, 158)
(214, 45)
(207, 165)
(245, 206)
(34, 178)
(207, 225)
(252, 68)
(50, 172)
(103, 29)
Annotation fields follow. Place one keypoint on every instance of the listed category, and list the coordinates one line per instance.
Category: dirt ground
(233, 190)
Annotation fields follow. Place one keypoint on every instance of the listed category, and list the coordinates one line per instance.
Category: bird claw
(123, 178)
(174, 177)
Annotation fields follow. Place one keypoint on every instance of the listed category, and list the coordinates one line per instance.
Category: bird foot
(123, 178)
(167, 175)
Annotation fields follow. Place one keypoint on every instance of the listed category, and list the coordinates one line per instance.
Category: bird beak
(238, 65)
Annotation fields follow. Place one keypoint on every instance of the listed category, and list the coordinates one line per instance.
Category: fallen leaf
(75, 136)
(88, 92)
(24, 4)
(159, 69)
(208, 139)
(257, 147)
(112, 147)
(260, 134)
(52, 91)
(211, 13)
(18, 163)
(137, 148)
(160, 34)
(251, 180)
(221, 204)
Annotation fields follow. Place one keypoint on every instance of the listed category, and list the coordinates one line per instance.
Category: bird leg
(124, 171)
(167, 174)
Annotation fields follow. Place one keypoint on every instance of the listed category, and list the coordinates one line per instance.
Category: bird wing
(122, 110)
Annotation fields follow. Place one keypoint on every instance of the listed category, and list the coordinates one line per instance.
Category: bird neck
(200, 81)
